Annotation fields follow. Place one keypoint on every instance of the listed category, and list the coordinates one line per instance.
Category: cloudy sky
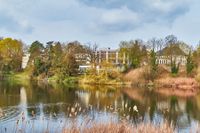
(105, 22)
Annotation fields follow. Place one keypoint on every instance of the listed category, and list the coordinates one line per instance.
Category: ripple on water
(10, 114)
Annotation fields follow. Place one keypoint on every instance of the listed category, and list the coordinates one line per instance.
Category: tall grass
(112, 127)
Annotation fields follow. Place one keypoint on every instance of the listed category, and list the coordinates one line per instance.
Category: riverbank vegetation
(139, 62)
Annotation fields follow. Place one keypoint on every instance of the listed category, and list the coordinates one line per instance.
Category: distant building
(180, 59)
(25, 60)
(105, 55)
(83, 61)
(174, 53)
(111, 56)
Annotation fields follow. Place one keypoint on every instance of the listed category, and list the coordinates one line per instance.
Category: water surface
(40, 107)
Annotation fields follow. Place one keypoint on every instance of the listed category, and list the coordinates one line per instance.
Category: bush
(70, 80)
(113, 74)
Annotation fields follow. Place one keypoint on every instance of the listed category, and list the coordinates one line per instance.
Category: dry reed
(120, 128)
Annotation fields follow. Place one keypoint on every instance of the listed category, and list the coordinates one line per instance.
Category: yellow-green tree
(136, 52)
(11, 53)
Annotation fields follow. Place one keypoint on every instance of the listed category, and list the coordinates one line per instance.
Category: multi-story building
(101, 56)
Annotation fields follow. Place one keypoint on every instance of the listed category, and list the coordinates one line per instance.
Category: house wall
(166, 60)
(25, 60)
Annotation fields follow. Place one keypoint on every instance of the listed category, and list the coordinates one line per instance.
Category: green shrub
(70, 80)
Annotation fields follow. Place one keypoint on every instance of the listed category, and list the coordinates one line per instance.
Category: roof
(172, 50)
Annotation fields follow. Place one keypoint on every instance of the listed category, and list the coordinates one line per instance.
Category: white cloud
(88, 20)
(119, 15)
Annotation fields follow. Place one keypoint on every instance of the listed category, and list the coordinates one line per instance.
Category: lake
(37, 107)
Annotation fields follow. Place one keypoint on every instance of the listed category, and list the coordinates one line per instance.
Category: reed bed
(87, 125)
(120, 128)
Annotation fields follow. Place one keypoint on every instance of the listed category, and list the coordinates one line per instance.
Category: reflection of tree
(9, 94)
(45, 100)
(189, 108)
(48, 94)
(153, 108)
(173, 110)
(23, 97)
(99, 96)
(129, 112)
(156, 104)
(175, 114)
(145, 99)
(192, 109)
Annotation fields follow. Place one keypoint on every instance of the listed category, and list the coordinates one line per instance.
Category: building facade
(179, 59)
(25, 60)
(172, 53)
(106, 55)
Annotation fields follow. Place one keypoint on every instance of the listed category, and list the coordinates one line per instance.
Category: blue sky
(106, 22)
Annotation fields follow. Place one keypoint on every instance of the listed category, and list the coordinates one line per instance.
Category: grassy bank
(66, 80)
(137, 77)
(99, 80)
(56, 79)
(19, 78)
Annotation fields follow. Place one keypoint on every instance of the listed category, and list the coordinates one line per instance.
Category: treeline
(57, 58)
(138, 49)
(142, 53)
(60, 59)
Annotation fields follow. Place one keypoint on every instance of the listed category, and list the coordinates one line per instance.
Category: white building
(182, 60)
(25, 60)
(173, 53)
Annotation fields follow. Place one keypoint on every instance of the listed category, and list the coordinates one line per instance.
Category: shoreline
(169, 86)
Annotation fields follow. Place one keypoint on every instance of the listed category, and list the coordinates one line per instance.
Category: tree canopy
(11, 52)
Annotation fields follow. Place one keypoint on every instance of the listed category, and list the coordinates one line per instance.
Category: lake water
(37, 107)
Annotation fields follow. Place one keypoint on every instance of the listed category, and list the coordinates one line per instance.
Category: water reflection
(45, 104)
(23, 97)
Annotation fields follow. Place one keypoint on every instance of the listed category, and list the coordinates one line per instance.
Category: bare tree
(92, 54)
(171, 39)
(155, 44)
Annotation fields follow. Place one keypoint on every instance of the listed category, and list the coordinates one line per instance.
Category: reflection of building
(84, 96)
(180, 105)
(23, 97)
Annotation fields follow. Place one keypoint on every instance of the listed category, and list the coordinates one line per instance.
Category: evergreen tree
(174, 67)
(153, 65)
(190, 64)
